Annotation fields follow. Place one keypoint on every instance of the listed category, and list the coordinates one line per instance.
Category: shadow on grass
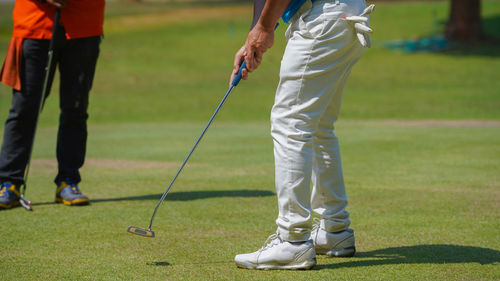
(419, 254)
(164, 263)
(434, 253)
(159, 263)
(182, 196)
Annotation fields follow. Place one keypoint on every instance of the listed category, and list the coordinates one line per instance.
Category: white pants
(321, 51)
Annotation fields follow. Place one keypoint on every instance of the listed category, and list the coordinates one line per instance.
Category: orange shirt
(34, 20)
(80, 18)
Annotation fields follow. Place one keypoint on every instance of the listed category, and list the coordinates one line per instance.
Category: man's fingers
(236, 67)
(253, 61)
(250, 64)
(249, 50)
(239, 57)
(244, 74)
(238, 60)
(231, 78)
(258, 56)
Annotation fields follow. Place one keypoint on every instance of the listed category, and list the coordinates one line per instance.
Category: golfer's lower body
(322, 48)
(76, 59)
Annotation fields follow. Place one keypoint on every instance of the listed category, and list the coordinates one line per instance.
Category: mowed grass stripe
(423, 202)
(137, 22)
(179, 70)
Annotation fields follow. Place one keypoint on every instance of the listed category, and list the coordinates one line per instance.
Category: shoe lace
(272, 240)
(74, 186)
(75, 189)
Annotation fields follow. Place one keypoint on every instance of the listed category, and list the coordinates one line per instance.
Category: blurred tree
(464, 23)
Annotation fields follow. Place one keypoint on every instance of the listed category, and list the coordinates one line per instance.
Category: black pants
(77, 60)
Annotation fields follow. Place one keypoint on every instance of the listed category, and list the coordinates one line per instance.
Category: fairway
(421, 210)
(419, 136)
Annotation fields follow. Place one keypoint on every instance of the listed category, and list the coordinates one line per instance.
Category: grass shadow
(164, 263)
(420, 254)
(194, 195)
(182, 196)
(158, 263)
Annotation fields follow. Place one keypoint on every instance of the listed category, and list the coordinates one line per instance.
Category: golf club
(148, 232)
(23, 200)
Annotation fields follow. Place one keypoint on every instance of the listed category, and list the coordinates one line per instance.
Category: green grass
(423, 201)
(424, 195)
(178, 70)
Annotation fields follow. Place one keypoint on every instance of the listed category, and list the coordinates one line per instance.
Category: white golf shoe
(338, 244)
(279, 254)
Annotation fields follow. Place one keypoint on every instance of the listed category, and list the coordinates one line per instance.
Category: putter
(148, 232)
(23, 200)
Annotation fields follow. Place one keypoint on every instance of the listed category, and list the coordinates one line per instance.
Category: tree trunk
(464, 23)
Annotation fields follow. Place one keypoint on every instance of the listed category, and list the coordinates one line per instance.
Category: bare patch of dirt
(109, 163)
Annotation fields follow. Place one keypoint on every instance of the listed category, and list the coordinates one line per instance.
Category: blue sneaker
(69, 194)
(9, 195)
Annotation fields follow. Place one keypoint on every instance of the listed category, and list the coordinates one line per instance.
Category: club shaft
(46, 78)
(190, 152)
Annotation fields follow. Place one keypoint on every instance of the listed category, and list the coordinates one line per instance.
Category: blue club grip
(237, 78)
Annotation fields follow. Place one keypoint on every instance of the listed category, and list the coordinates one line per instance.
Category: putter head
(25, 203)
(141, 231)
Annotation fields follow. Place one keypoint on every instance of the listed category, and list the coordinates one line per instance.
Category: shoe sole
(342, 253)
(77, 202)
(13, 204)
(291, 266)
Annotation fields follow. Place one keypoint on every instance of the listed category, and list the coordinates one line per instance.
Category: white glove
(361, 26)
